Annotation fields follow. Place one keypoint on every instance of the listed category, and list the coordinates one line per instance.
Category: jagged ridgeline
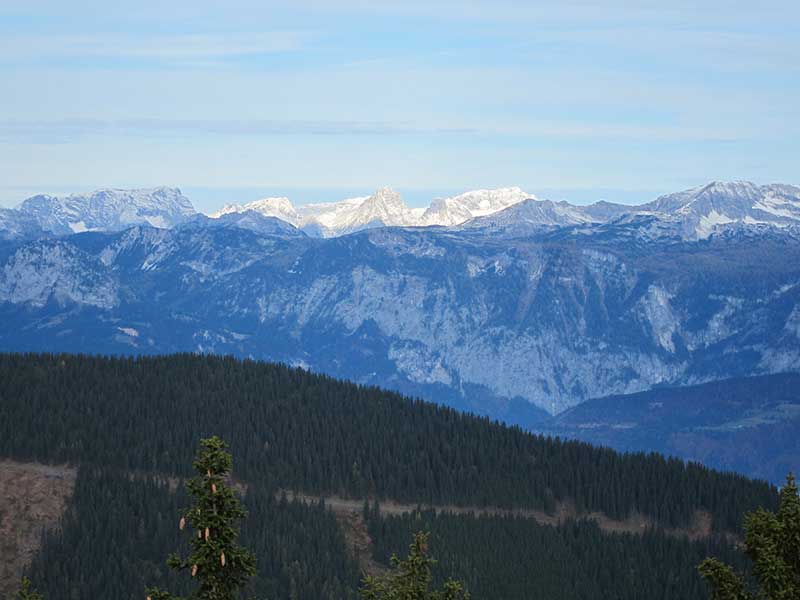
(289, 429)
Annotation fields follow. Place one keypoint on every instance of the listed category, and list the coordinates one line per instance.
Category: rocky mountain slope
(514, 323)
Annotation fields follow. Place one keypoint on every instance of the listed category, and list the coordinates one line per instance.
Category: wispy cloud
(70, 130)
(144, 47)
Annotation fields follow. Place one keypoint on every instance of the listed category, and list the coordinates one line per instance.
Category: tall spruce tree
(411, 578)
(219, 564)
(772, 541)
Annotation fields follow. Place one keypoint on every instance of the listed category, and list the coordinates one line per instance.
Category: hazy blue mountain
(749, 424)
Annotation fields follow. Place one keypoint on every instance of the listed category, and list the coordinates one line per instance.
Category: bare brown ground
(32, 500)
(701, 525)
(358, 541)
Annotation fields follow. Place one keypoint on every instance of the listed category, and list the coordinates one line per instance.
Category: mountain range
(103, 210)
(518, 313)
(383, 208)
(693, 214)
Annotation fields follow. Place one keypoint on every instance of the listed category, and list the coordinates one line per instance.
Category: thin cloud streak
(150, 47)
(69, 130)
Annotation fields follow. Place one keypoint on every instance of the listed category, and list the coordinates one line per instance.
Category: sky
(321, 100)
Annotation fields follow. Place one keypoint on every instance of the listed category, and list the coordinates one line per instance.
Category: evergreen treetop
(221, 566)
(411, 578)
(772, 541)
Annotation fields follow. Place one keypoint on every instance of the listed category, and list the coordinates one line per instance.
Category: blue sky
(320, 100)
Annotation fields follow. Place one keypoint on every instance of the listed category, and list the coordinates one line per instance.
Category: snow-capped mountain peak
(280, 207)
(703, 209)
(477, 203)
(691, 214)
(385, 207)
(387, 199)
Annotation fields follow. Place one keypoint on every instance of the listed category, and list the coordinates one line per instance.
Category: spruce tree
(219, 564)
(411, 578)
(772, 541)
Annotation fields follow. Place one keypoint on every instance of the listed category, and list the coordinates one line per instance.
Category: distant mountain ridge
(507, 326)
(384, 208)
(749, 425)
(102, 210)
(693, 214)
(700, 210)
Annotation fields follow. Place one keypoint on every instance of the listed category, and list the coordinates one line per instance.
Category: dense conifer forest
(129, 423)
(292, 429)
(118, 531)
(509, 557)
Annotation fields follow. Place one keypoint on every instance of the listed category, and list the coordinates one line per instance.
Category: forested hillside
(117, 533)
(509, 558)
(292, 429)
(130, 422)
